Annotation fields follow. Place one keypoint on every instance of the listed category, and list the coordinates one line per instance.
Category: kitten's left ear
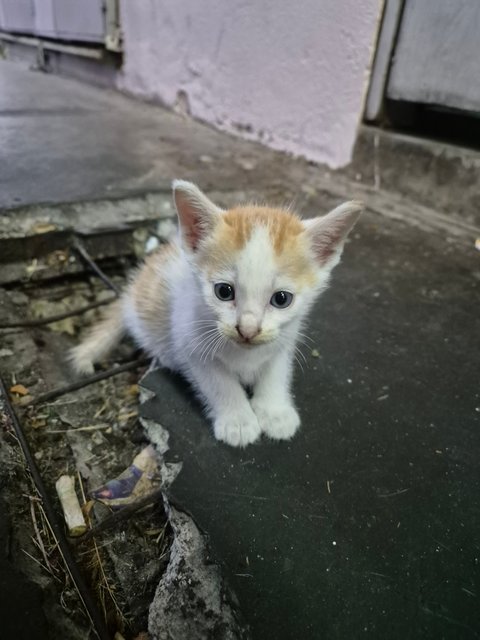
(196, 213)
(328, 233)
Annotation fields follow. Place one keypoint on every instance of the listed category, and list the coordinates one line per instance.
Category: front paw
(279, 421)
(237, 429)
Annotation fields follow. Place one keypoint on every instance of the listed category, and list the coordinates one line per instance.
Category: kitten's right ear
(196, 213)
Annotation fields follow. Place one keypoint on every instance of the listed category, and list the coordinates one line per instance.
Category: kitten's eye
(281, 299)
(224, 291)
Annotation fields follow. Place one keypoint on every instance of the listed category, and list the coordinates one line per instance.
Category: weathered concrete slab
(192, 600)
(366, 523)
(62, 141)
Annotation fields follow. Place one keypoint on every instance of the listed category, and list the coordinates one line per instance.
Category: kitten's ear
(196, 213)
(328, 233)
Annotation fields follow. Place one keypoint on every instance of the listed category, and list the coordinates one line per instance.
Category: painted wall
(291, 74)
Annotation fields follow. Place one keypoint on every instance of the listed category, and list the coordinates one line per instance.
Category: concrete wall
(291, 74)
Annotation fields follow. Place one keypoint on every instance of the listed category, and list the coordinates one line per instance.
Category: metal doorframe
(389, 29)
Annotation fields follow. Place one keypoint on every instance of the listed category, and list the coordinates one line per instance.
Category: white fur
(201, 339)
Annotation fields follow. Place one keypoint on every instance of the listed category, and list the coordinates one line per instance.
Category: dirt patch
(92, 434)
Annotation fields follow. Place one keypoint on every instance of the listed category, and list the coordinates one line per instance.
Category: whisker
(299, 364)
(206, 332)
(215, 346)
(204, 337)
(300, 353)
(208, 348)
(198, 326)
(296, 352)
(216, 342)
(204, 321)
(204, 353)
(221, 344)
(305, 337)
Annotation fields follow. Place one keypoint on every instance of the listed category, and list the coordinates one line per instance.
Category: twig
(121, 515)
(60, 316)
(39, 537)
(38, 562)
(80, 384)
(80, 249)
(93, 427)
(64, 548)
(49, 529)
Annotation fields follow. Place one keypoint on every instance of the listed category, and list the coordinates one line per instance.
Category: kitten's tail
(103, 337)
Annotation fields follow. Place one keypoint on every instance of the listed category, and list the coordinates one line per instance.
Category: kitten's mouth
(250, 343)
(245, 342)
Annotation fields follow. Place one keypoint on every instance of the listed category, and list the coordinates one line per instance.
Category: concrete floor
(366, 524)
(63, 141)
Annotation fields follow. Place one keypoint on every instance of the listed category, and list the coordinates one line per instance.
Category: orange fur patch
(286, 233)
(282, 225)
(150, 290)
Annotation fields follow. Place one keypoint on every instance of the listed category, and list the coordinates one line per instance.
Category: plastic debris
(138, 480)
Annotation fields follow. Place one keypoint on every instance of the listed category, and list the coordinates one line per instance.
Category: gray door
(437, 55)
(73, 20)
(428, 53)
(17, 16)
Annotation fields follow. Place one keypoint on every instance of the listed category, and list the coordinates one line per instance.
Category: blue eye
(281, 299)
(224, 291)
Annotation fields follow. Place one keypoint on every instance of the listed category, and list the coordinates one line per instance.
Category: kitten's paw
(237, 429)
(280, 421)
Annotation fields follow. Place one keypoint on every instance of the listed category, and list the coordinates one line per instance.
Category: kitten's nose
(247, 327)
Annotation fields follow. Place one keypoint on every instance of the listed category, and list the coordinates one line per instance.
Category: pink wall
(291, 74)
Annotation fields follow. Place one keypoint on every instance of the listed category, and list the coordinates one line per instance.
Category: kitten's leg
(272, 401)
(234, 421)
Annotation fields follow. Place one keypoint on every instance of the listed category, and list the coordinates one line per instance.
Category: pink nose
(247, 326)
(247, 330)
(247, 333)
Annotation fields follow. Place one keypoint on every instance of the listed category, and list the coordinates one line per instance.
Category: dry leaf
(87, 508)
(126, 415)
(43, 227)
(36, 423)
(133, 390)
(19, 389)
(57, 257)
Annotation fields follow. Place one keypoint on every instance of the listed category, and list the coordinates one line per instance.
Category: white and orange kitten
(224, 305)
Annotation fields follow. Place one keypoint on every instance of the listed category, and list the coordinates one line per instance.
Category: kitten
(224, 306)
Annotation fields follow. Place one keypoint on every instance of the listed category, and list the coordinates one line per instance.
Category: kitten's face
(260, 269)
(258, 274)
